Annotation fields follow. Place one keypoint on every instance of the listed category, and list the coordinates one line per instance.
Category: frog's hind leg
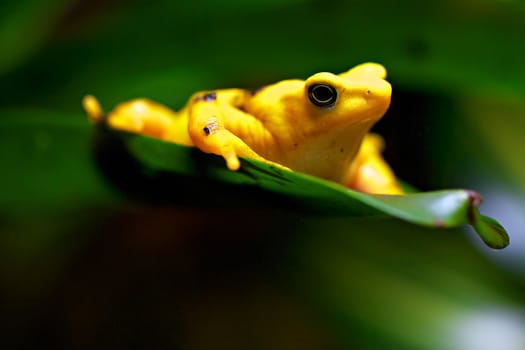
(139, 116)
(370, 173)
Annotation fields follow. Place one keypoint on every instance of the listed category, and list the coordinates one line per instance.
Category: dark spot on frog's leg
(212, 127)
(255, 91)
(341, 150)
(211, 96)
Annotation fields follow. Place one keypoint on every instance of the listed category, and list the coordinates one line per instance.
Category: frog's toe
(223, 144)
(232, 161)
(92, 108)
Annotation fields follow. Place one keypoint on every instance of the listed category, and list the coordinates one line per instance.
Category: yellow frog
(318, 126)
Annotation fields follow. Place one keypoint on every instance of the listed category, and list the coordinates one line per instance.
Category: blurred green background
(84, 265)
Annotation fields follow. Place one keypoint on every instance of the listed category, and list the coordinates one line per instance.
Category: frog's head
(337, 112)
(356, 98)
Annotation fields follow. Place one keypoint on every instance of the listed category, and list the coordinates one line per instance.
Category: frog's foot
(224, 143)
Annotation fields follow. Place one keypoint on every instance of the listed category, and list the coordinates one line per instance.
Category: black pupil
(322, 95)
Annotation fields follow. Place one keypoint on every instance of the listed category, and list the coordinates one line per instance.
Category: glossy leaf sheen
(440, 209)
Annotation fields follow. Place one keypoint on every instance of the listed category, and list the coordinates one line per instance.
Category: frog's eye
(322, 95)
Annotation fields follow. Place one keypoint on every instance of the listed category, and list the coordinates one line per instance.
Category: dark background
(83, 265)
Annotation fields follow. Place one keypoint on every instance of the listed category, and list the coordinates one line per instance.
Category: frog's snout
(380, 89)
(377, 93)
(367, 83)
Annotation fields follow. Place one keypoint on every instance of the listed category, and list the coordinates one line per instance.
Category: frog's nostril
(380, 89)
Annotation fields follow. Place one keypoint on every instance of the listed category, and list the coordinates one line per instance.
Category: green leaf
(439, 209)
(47, 164)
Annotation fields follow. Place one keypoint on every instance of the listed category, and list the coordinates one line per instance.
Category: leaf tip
(490, 231)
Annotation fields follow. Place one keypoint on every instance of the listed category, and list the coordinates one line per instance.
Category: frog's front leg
(214, 138)
(370, 173)
(216, 124)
